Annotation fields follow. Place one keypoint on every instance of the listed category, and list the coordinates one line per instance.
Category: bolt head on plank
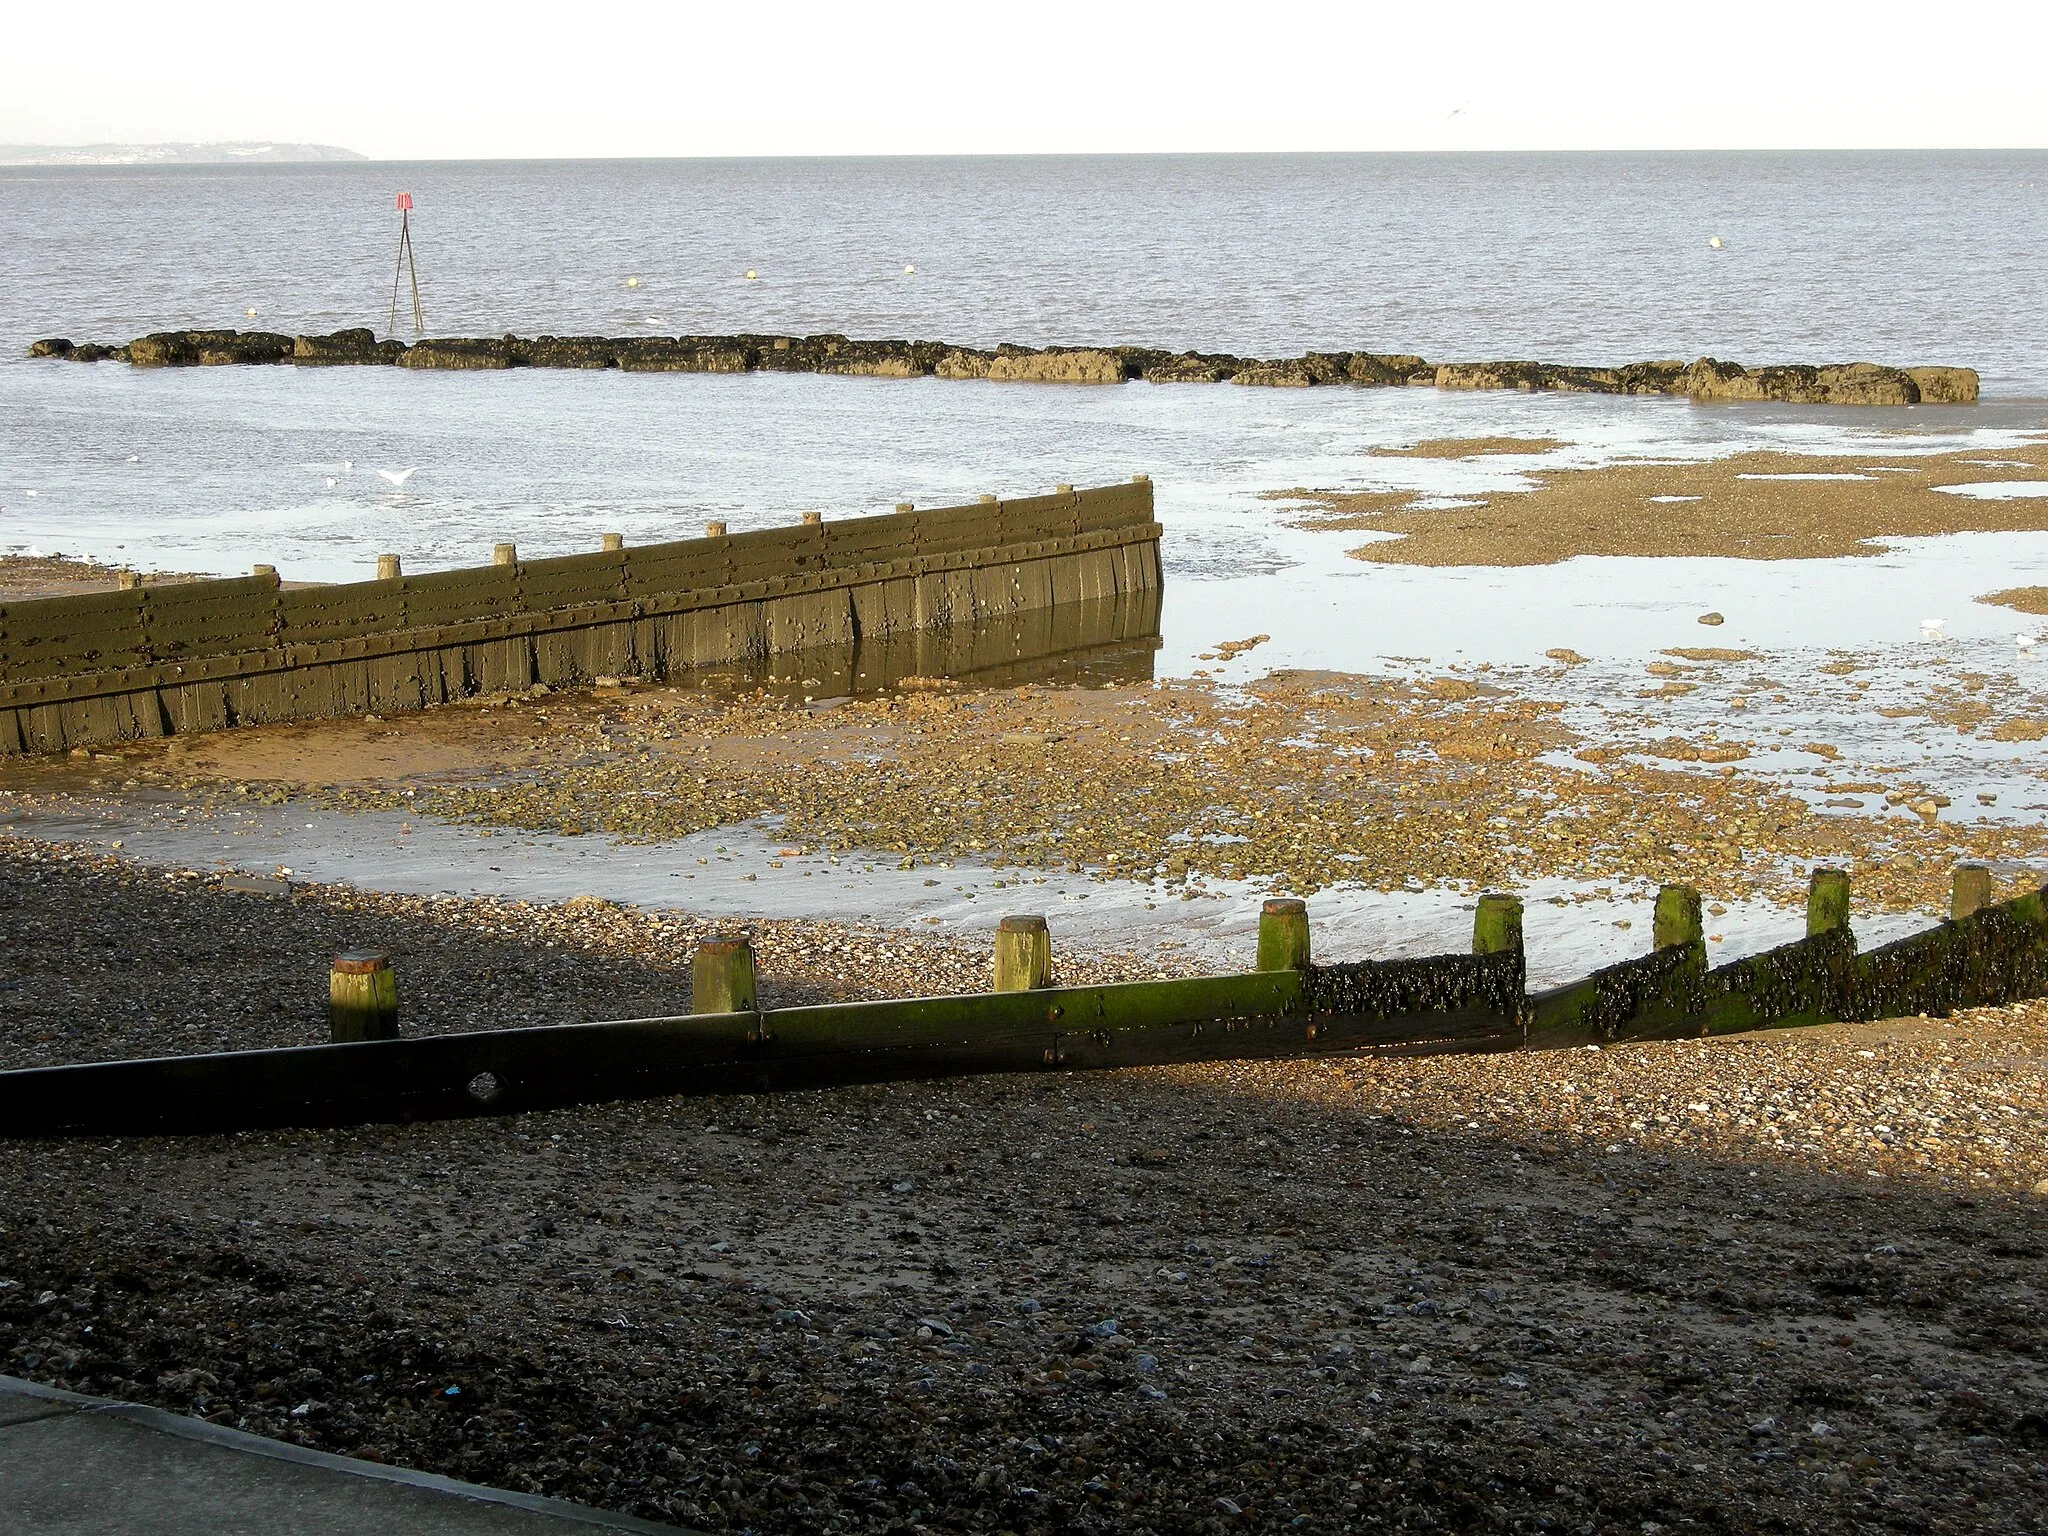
(1827, 901)
(1283, 934)
(1497, 924)
(1023, 959)
(1678, 919)
(722, 977)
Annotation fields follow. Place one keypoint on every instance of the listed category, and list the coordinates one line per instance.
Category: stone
(963, 363)
(1087, 365)
(1280, 373)
(356, 346)
(869, 359)
(1866, 384)
(683, 354)
(1373, 369)
(1945, 386)
(570, 352)
(1490, 376)
(459, 353)
(186, 349)
(54, 346)
(1712, 620)
(1192, 368)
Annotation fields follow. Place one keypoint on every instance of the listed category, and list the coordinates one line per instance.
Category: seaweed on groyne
(1705, 379)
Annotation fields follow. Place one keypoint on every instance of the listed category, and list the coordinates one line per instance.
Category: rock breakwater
(1706, 379)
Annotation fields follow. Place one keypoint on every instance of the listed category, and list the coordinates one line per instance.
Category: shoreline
(1706, 379)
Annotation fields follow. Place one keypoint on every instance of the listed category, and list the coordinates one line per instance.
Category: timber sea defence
(1853, 383)
(970, 588)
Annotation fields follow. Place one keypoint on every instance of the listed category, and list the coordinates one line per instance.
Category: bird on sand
(347, 464)
(332, 482)
(1931, 625)
(2026, 642)
(398, 477)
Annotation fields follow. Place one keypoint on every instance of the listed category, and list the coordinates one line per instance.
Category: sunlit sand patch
(1760, 505)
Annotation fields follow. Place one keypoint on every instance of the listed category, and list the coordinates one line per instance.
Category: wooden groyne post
(362, 997)
(1023, 959)
(1283, 935)
(722, 977)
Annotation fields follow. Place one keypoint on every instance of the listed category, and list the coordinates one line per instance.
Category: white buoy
(250, 312)
(751, 276)
(1713, 242)
(632, 282)
(908, 269)
(398, 477)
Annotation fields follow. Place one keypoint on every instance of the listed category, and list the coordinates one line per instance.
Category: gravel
(1517, 1292)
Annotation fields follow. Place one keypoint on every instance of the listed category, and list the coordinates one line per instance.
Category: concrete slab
(71, 1465)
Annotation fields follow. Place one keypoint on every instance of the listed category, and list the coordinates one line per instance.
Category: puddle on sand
(744, 872)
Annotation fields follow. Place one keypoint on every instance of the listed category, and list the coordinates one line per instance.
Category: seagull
(2025, 642)
(347, 465)
(134, 458)
(398, 477)
(1931, 624)
(332, 482)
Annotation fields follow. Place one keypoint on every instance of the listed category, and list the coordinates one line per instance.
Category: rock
(1490, 376)
(1662, 377)
(185, 349)
(1866, 384)
(871, 359)
(1088, 365)
(1945, 386)
(1192, 368)
(1712, 620)
(55, 346)
(461, 353)
(683, 354)
(354, 347)
(1583, 381)
(963, 363)
(1280, 373)
(570, 352)
(94, 351)
(1373, 369)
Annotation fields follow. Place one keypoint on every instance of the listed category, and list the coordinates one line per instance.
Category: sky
(419, 79)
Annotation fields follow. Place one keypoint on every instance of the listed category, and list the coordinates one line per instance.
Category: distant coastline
(233, 152)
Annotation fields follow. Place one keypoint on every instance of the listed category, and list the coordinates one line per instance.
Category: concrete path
(71, 1465)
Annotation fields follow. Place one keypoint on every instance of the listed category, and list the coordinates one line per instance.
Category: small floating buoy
(908, 269)
(751, 277)
(1713, 242)
(250, 312)
(632, 282)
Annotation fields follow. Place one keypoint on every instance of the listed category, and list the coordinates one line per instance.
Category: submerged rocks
(1706, 379)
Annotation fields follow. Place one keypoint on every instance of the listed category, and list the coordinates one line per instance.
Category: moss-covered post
(1283, 935)
(1497, 925)
(611, 541)
(1971, 892)
(722, 977)
(1023, 954)
(504, 554)
(1678, 918)
(814, 519)
(127, 581)
(715, 529)
(362, 997)
(1827, 901)
(388, 568)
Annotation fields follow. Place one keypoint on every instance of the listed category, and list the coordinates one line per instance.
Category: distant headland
(233, 152)
(1705, 379)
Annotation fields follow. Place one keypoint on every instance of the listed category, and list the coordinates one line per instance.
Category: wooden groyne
(974, 587)
(1290, 1006)
(1704, 379)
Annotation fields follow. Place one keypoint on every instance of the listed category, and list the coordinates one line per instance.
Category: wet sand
(1759, 505)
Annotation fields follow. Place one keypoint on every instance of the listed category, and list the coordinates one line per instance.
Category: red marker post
(403, 202)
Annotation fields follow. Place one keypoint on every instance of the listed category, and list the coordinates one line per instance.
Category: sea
(1903, 258)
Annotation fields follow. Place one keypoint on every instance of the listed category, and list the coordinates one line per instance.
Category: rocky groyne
(1706, 379)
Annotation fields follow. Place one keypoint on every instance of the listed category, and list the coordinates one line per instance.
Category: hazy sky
(413, 79)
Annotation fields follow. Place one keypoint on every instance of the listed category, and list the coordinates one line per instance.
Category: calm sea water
(1910, 257)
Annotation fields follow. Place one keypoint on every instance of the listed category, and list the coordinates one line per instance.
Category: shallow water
(744, 872)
